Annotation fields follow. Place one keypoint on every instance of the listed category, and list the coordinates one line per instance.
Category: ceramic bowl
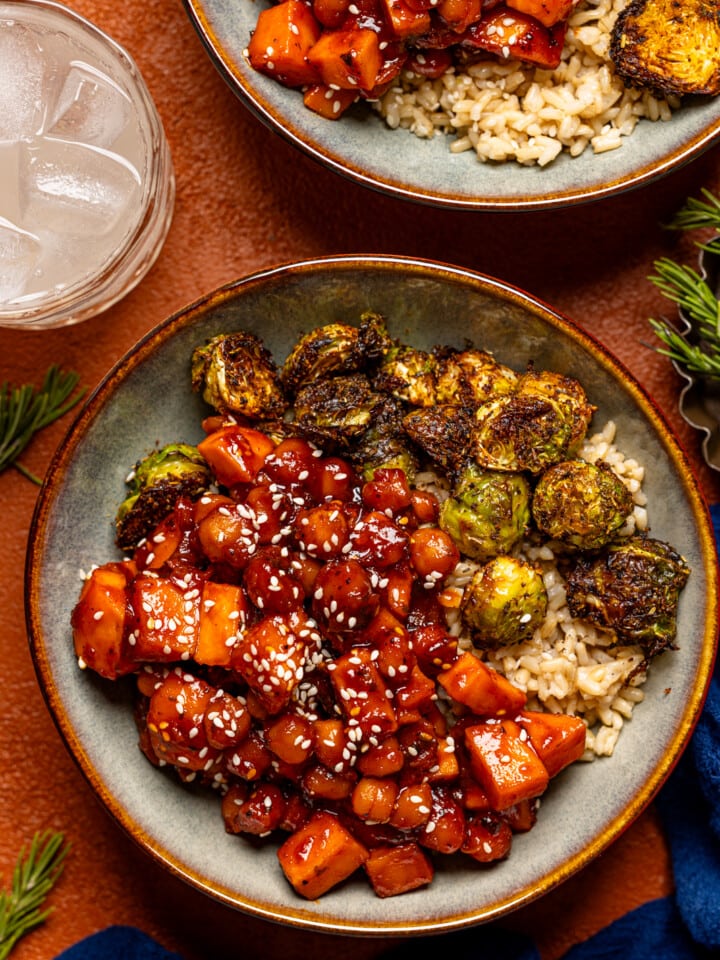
(146, 400)
(360, 145)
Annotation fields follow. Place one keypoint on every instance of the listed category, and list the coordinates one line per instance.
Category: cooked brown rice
(569, 666)
(506, 110)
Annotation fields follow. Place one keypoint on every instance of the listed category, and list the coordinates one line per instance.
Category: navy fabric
(684, 926)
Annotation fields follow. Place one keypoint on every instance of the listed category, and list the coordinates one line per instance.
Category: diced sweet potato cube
(283, 35)
(321, 854)
(510, 34)
(323, 784)
(362, 693)
(373, 798)
(349, 59)
(223, 611)
(557, 738)
(548, 12)
(153, 552)
(99, 621)
(459, 14)
(487, 838)
(448, 768)
(329, 102)
(166, 620)
(413, 695)
(398, 869)
(480, 688)
(504, 763)
(404, 20)
(249, 759)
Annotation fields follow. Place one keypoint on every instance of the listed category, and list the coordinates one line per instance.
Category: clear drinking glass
(86, 177)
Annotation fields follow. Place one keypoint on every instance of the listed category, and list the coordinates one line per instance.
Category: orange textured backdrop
(247, 200)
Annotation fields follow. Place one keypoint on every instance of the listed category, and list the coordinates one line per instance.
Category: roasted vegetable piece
(504, 602)
(488, 512)
(385, 444)
(443, 431)
(324, 352)
(407, 374)
(548, 12)
(469, 378)
(581, 504)
(319, 855)
(558, 739)
(480, 688)
(509, 33)
(504, 763)
(349, 59)
(99, 621)
(280, 42)
(397, 869)
(235, 453)
(235, 373)
(543, 423)
(669, 46)
(406, 20)
(156, 484)
(632, 588)
(328, 102)
(337, 410)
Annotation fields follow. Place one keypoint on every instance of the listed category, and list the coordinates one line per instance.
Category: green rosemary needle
(684, 286)
(21, 907)
(25, 410)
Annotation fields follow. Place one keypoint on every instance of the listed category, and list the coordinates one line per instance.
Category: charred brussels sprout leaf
(487, 513)
(581, 504)
(470, 378)
(443, 432)
(632, 588)
(157, 482)
(337, 410)
(235, 373)
(324, 352)
(408, 374)
(385, 443)
(504, 603)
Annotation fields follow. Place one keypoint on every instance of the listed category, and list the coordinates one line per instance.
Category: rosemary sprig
(25, 410)
(684, 286)
(21, 908)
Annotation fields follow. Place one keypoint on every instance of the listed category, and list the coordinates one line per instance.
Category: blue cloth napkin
(683, 926)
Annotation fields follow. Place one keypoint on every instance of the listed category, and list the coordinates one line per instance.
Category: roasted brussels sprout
(632, 588)
(337, 410)
(471, 377)
(581, 504)
(542, 423)
(385, 443)
(324, 352)
(487, 513)
(668, 47)
(374, 340)
(235, 373)
(408, 374)
(156, 483)
(504, 603)
(443, 432)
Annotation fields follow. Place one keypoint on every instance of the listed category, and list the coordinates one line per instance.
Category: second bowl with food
(338, 627)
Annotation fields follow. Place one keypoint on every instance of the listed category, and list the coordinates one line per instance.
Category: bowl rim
(248, 86)
(290, 913)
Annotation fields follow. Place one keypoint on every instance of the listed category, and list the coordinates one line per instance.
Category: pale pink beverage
(86, 181)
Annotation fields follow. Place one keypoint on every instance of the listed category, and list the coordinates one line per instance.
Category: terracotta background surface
(247, 200)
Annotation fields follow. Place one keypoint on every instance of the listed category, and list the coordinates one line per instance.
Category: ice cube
(75, 189)
(22, 82)
(91, 108)
(19, 255)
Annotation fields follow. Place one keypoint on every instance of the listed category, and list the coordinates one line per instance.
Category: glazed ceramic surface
(362, 147)
(146, 401)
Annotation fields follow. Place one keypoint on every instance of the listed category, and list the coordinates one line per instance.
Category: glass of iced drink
(86, 179)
